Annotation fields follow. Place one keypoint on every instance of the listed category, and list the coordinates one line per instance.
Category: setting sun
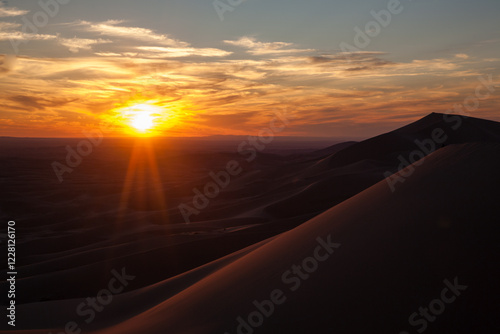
(143, 117)
(146, 118)
(143, 122)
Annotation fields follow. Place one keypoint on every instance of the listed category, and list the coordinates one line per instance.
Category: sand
(369, 256)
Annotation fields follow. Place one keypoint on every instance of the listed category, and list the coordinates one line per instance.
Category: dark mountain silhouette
(387, 147)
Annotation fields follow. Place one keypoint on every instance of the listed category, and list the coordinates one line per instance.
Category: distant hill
(386, 147)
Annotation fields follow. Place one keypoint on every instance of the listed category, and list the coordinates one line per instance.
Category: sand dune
(390, 252)
(387, 147)
(394, 253)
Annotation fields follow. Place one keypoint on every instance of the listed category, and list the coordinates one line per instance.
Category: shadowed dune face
(397, 247)
(394, 255)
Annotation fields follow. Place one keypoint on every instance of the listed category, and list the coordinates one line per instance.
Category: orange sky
(60, 97)
(77, 75)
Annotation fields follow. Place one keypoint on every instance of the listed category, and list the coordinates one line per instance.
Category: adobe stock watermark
(372, 29)
(292, 279)
(420, 320)
(438, 136)
(221, 180)
(39, 20)
(91, 306)
(84, 148)
(223, 6)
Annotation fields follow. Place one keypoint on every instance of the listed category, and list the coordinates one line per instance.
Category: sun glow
(143, 117)
(147, 118)
(143, 122)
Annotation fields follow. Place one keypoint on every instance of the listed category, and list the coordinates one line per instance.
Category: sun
(142, 117)
(142, 121)
(145, 118)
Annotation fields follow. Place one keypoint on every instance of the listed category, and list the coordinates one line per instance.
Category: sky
(343, 68)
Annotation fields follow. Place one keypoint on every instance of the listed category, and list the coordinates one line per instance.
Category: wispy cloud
(11, 12)
(8, 26)
(328, 91)
(162, 46)
(164, 52)
(7, 63)
(264, 48)
(76, 44)
(112, 28)
(108, 54)
(9, 31)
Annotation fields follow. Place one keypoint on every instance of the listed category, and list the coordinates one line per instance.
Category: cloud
(327, 92)
(28, 101)
(170, 48)
(37, 103)
(229, 120)
(21, 36)
(76, 44)
(346, 56)
(357, 62)
(8, 32)
(7, 63)
(462, 56)
(108, 54)
(261, 48)
(163, 52)
(111, 28)
(251, 43)
(9, 26)
(11, 11)
(163, 46)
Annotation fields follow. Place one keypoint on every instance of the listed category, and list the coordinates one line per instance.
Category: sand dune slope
(391, 255)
